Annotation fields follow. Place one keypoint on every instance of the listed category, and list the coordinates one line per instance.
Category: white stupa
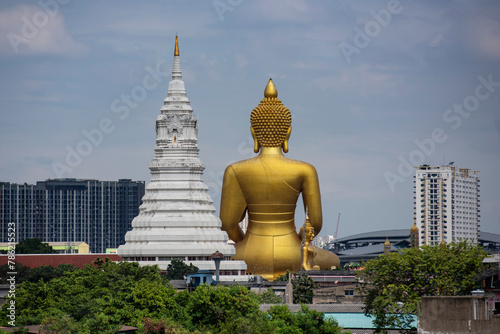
(176, 218)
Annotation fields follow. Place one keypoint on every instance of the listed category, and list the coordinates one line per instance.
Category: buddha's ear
(256, 146)
(285, 142)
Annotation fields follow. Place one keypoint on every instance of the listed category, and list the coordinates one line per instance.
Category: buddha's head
(309, 231)
(271, 121)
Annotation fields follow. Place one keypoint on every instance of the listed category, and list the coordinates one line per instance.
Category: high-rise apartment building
(69, 210)
(446, 204)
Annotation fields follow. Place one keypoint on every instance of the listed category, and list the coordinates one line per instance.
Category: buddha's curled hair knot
(270, 121)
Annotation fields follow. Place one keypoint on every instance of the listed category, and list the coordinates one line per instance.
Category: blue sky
(374, 87)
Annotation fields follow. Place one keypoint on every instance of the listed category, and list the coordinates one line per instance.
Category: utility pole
(289, 290)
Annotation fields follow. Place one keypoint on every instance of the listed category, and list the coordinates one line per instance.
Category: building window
(349, 292)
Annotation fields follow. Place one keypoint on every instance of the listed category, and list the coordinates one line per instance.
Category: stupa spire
(176, 70)
(176, 100)
(176, 50)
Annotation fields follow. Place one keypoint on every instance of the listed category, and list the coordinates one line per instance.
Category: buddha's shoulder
(302, 167)
(297, 162)
(248, 163)
(243, 163)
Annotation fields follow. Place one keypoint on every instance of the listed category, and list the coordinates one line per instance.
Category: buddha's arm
(232, 206)
(312, 199)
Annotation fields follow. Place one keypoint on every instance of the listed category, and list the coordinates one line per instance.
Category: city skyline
(374, 88)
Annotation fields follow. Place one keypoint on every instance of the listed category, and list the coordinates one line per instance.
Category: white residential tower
(446, 204)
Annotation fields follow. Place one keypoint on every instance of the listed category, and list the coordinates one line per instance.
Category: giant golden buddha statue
(267, 187)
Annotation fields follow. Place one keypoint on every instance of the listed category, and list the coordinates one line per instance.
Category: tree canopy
(269, 297)
(25, 273)
(33, 246)
(303, 286)
(392, 285)
(106, 295)
(177, 269)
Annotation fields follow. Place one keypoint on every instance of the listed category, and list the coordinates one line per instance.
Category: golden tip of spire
(270, 90)
(176, 51)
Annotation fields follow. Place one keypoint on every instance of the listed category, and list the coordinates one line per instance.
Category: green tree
(59, 323)
(33, 246)
(269, 297)
(177, 269)
(392, 285)
(103, 296)
(210, 306)
(306, 321)
(303, 287)
(161, 326)
(22, 272)
(49, 272)
(97, 297)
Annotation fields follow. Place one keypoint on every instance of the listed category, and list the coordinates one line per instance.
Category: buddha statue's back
(267, 187)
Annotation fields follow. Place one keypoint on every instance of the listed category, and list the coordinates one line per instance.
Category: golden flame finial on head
(270, 90)
(176, 51)
(271, 121)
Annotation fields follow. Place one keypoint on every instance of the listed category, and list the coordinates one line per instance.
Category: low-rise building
(457, 314)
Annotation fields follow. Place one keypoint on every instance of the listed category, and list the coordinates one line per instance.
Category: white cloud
(29, 29)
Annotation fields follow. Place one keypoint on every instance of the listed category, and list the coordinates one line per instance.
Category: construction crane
(337, 230)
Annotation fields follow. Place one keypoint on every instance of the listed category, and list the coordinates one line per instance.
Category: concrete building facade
(457, 315)
(446, 204)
